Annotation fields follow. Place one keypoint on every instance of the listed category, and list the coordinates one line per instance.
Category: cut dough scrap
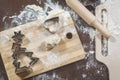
(50, 42)
(35, 7)
(54, 13)
(57, 20)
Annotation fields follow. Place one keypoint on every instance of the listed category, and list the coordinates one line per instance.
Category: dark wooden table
(86, 69)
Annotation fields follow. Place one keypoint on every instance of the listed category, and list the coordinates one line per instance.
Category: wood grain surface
(66, 52)
(74, 71)
(111, 60)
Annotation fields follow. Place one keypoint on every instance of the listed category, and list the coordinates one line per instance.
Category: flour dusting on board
(56, 6)
(113, 16)
(34, 12)
(53, 58)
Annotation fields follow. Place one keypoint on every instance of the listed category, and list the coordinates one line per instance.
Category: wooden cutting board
(66, 52)
(113, 57)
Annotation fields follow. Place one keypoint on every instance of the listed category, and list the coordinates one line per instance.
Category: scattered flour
(84, 76)
(53, 58)
(51, 5)
(56, 6)
(113, 16)
(48, 77)
(40, 1)
(34, 12)
(29, 13)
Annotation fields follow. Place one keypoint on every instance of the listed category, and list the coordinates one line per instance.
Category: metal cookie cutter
(52, 21)
(17, 51)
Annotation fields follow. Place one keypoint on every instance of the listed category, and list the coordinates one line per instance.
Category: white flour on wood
(113, 17)
(33, 12)
(56, 6)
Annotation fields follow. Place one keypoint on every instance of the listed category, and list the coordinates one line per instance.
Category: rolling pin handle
(87, 16)
(100, 28)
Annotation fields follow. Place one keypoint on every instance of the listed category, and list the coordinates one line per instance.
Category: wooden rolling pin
(85, 14)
